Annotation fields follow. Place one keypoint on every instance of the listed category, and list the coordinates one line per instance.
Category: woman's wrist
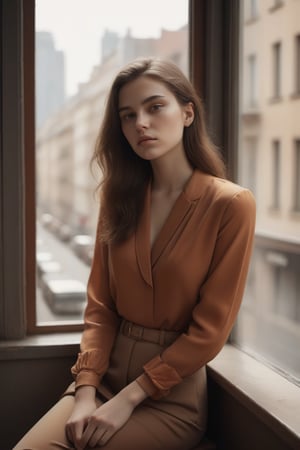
(85, 393)
(134, 393)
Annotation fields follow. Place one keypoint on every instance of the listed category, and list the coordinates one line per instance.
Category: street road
(71, 267)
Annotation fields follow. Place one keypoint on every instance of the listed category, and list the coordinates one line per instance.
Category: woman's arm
(101, 323)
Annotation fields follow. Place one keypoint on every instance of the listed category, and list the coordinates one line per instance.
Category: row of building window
(277, 64)
(252, 9)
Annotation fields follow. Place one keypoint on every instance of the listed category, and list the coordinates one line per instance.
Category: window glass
(276, 69)
(297, 176)
(269, 164)
(297, 64)
(80, 45)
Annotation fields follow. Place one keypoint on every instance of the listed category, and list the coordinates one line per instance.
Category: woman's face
(152, 120)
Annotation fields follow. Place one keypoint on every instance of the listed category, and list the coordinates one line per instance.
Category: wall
(28, 388)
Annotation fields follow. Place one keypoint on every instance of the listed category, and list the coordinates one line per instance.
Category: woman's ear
(189, 114)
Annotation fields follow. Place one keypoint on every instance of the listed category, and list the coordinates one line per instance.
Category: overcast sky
(78, 25)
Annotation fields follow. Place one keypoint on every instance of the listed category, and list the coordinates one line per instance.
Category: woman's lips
(145, 139)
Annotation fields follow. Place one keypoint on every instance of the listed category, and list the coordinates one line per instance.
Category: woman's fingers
(98, 438)
(91, 430)
(97, 432)
(74, 432)
(69, 434)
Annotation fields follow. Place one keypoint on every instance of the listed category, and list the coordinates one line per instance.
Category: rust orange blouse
(192, 281)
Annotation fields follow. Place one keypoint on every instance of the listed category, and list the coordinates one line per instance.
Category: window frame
(12, 224)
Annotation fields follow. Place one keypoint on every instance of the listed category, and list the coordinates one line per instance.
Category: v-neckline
(147, 254)
(165, 222)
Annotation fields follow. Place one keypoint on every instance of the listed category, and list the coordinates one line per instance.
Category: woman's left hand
(112, 415)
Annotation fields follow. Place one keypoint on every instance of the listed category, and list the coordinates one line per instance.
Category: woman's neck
(170, 176)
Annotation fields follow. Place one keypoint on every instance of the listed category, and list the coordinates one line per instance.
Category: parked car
(82, 244)
(42, 256)
(65, 233)
(50, 266)
(46, 220)
(64, 295)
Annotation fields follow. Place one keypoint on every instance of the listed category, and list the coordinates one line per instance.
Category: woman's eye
(156, 107)
(127, 117)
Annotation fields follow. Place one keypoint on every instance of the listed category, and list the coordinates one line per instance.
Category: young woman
(172, 251)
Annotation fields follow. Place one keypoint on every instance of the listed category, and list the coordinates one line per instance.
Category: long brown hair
(126, 175)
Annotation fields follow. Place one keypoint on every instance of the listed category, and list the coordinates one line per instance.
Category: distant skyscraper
(50, 77)
(110, 42)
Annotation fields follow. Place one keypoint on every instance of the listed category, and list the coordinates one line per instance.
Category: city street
(71, 267)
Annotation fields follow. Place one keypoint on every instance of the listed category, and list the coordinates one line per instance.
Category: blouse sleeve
(101, 322)
(219, 301)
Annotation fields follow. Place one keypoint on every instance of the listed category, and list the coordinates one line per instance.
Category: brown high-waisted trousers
(175, 422)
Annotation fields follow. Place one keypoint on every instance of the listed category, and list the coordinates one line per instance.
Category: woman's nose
(141, 121)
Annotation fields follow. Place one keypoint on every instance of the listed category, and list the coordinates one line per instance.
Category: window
(268, 323)
(250, 11)
(252, 5)
(253, 8)
(297, 64)
(261, 328)
(278, 2)
(275, 4)
(250, 162)
(72, 80)
(297, 176)
(252, 64)
(276, 49)
(276, 174)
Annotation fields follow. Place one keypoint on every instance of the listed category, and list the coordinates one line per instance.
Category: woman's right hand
(85, 405)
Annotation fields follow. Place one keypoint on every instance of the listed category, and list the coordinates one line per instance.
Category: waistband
(139, 333)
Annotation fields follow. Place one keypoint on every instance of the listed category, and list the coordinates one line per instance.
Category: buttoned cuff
(87, 378)
(158, 378)
(88, 369)
(146, 384)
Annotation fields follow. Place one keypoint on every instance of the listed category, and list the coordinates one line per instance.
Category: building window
(250, 164)
(252, 65)
(251, 10)
(297, 176)
(276, 50)
(275, 4)
(276, 174)
(297, 64)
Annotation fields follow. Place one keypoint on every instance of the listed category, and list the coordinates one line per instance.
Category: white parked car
(82, 245)
(64, 295)
(45, 267)
(42, 256)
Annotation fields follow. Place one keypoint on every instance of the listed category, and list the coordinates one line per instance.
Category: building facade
(269, 166)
